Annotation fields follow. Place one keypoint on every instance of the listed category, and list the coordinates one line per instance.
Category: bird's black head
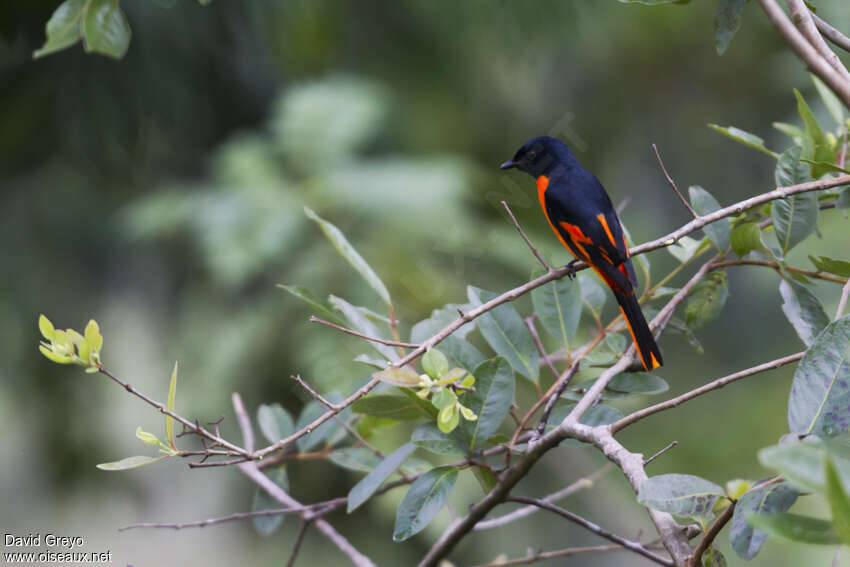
(542, 156)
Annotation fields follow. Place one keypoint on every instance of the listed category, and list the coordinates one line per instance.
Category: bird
(583, 218)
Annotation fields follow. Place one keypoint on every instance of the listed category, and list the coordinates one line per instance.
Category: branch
(529, 322)
(659, 453)
(831, 33)
(705, 542)
(673, 184)
(778, 268)
(222, 519)
(524, 237)
(716, 384)
(845, 291)
(810, 56)
(314, 319)
(545, 555)
(802, 17)
(302, 531)
(591, 527)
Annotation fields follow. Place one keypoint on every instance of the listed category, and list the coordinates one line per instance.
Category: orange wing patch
(604, 222)
(575, 233)
(626, 245)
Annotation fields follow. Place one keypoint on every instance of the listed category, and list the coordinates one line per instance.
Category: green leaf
(363, 490)
(820, 391)
(59, 358)
(592, 295)
(63, 28)
(329, 432)
(486, 479)
(146, 437)
(803, 310)
(650, 2)
(839, 505)
(558, 307)
(46, 327)
(423, 500)
(832, 102)
(707, 299)
(435, 363)
(267, 525)
(505, 331)
(801, 464)
(793, 132)
(389, 406)
(681, 495)
(745, 238)
(443, 398)
(712, 557)
(815, 146)
(726, 23)
(448, 418)
(684, 249)
(837, 267)
(795, 217)
(634, 383)
(745, 138)
(358, 319)
(307, 297)
(770, 499)
(105, 29)
(355, 459)
(351, 255)
(130, 463)
(704, 203)
(491, 400)
(843, 201)
(430, 438)
(798, 528)
(403, 377)
(172, 394)
(275, 422)
(458, 350)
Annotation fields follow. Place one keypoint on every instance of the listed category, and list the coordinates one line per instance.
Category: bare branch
(529, 322)
(525, 238)
(299, 539)
(801, 16)
(831, 33)
(673, 184)
(314, 319)
(219, 520)
(546, 555)
(313, 393)
(778, 268)
(716, 384)
(659, 453)
(591, 527)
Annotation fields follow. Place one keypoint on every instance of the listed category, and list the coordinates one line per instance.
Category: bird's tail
(645, 343)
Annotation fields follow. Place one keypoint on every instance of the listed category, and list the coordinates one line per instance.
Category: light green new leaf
(353, 257)
(745, 138)
(795, 217)
(130, 463)
(63, 29)
(363, 490)
(704, 203)
(837, 267)
(423, 500)
(105, 29)
(558, 307)
(46, 327)
(726, 23)
(815, 146)
(820, 391)
(794, 527)
(707, 300)
(435, 363)
(146, 437)
(803, 310)
(266, 525)
(505, 331)
(839, 505)
(172, 394)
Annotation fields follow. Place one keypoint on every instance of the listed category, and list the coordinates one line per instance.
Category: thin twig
(525, 511)
(302, 531)
(673, 184)
(525, 238)
(313, 393)
(219, 520)
(659, 453)
(832, 34)
(714, 385)
(705, 542)
(778, 268)
(314, 319)
(535, 336)
(801, 16)
(591, 527)
(842, 303)
(546, 555)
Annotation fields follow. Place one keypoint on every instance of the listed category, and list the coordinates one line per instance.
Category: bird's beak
(508, 164)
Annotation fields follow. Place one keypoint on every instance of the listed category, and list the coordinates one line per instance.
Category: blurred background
(163, 196)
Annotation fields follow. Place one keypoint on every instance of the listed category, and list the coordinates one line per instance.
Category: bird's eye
(531, 155)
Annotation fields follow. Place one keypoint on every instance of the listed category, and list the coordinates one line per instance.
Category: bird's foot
(571, 269)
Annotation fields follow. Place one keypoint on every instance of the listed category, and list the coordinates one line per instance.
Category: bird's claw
(571, 269)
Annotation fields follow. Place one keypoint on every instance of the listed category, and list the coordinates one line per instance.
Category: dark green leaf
(635, 383)
(400, 408)
(839, 505)
(266, 525)
(275, 422)
(486, 479)
(681, 495)
(820, 392)
(743, 137)
(771, 499)
(355, 459)
(353, 257)
(704, 203)
(795, 217)
(105, 29)
(505, 331)
(707, 299)
(815, 146)
(558, 307)
(429, 437)
(363, 490)
(745, 238)
(843, 201)
(63, 28)
(803, 310)
(726, 24)
(423, 500)
(491, 400)
(796, 528)
(837, 267)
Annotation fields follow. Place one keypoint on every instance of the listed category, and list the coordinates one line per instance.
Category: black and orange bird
(581, 214)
